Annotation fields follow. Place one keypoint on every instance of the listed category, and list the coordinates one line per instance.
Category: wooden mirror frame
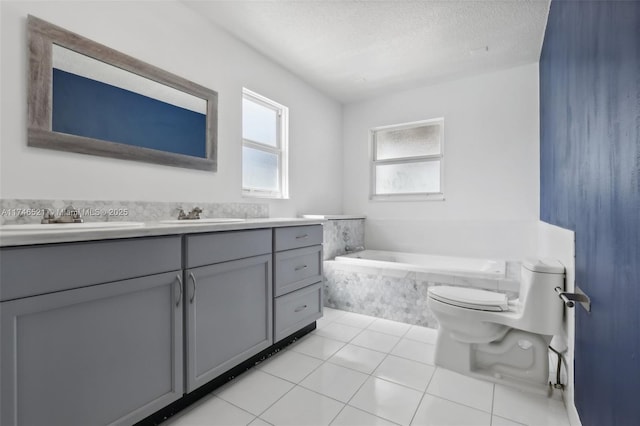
(42, 35)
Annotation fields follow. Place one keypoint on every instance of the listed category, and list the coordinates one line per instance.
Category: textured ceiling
(354, 50)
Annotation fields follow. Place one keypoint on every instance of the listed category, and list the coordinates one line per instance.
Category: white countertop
(149, 229)
(334, 216)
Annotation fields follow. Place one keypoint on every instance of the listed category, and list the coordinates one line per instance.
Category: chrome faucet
(69, 215)
(192, 215)
(349, 249)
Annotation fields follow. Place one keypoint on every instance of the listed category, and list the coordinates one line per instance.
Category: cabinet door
(103, 354)
(229, 316)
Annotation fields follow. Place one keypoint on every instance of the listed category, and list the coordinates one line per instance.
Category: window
(264, 147)
(407, 161)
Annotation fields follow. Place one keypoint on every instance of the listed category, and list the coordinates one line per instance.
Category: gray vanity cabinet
(106, 351)
(297, 278)
(228, 301)
(110, 332)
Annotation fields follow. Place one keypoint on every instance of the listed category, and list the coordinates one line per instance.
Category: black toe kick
(174, 408)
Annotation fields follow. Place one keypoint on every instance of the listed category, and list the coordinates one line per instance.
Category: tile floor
(359, 370)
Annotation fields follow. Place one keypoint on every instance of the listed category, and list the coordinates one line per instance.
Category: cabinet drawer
(31, 270)
(298, 268)
(206, 249)
(297, 310)
(297, 236)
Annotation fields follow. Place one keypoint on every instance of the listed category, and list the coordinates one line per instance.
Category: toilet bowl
(484, 334)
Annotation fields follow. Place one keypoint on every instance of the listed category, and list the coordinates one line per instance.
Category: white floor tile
(358, 358)
(254, 391)
(322, 322)
(414, 350)
(377, 341)
(392, 396)
(528, 408)
(387, 400)
(434, 411)
(332, 314)
(389, 327)
(317, 346)
(406, 372)
(350, 416)
(462, 389)
(338, 331)
(422, 334)
(302, 407)
(499, 421)
(259, 422)
(355, 320)
(334, 381)
(212, 411)
(290, 365)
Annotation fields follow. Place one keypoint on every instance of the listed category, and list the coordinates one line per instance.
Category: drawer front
(298, 268)
(297, 310)
(297, 236)
(32, 270)
(207, 249)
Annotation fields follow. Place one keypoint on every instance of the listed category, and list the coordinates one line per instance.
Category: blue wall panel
(86, 107)
(590, 183)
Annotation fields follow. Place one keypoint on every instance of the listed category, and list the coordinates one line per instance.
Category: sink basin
(71, 226)
(202, 221)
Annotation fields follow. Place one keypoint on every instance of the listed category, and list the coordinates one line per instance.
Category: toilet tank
(542, 309)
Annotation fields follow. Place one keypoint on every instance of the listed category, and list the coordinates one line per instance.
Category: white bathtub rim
(350, 259)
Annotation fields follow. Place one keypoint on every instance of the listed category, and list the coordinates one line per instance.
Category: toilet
(484, 334)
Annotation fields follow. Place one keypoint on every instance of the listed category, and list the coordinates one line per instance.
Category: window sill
(408, 197)
(264, 195)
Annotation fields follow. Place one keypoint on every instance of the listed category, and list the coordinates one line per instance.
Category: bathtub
(463, 266)
(394, 285)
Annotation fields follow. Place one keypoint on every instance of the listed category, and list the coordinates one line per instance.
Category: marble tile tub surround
(399, 295)
(24, 211)
(339, 233)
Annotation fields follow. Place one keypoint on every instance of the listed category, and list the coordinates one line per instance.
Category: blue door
(590, 183)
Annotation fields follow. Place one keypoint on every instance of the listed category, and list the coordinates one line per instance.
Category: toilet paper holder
(569, 299)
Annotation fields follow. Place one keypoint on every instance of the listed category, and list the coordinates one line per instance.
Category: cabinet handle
(300, 308)
(299, 237)
(180, 288)
(299, 268)
(193, 280)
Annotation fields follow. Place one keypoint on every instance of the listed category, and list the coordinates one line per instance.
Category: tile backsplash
(23, 211)
(339, 233)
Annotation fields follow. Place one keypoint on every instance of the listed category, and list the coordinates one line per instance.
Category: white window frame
(421, 196)
(281, 149)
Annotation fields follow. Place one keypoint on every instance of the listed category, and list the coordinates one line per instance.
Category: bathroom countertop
(334, 216)
(150, 229)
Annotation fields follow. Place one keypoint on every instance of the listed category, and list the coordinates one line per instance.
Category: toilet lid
(470, 298)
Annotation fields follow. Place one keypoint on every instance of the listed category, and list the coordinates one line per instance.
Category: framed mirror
(87, 98)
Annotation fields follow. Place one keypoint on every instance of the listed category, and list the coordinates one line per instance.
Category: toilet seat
(470, 298)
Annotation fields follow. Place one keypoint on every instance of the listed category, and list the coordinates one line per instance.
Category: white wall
(491, 167)
(172, 37)
(559, 243)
